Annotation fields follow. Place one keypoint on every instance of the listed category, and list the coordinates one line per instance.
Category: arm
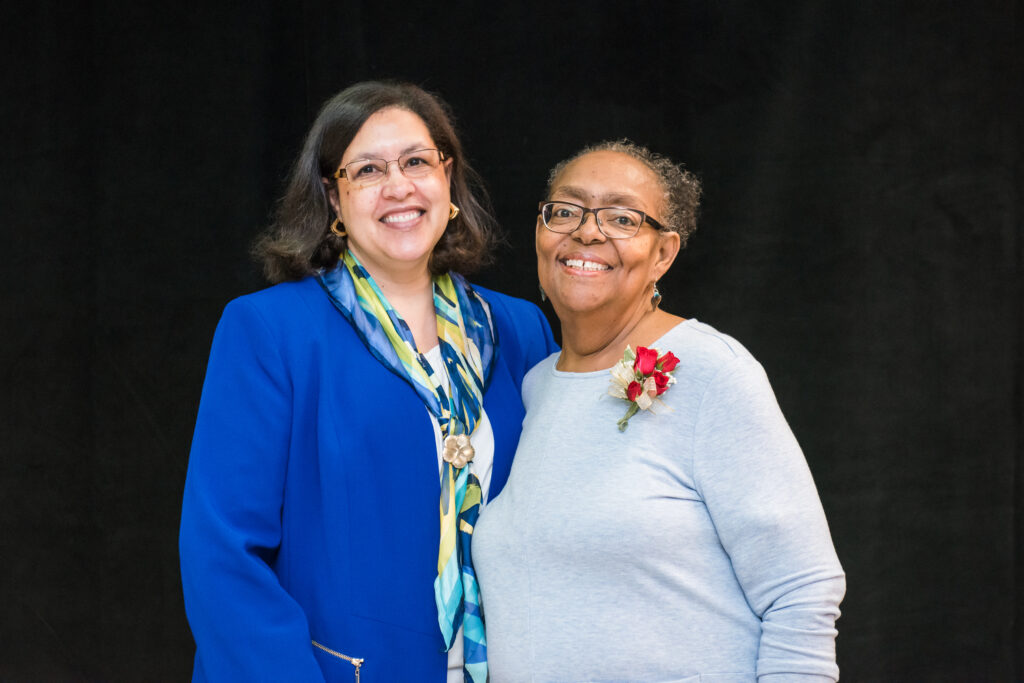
(760, 495)
(245, 625)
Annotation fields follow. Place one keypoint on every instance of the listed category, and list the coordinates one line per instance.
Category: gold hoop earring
(338, 228)
(453, 211)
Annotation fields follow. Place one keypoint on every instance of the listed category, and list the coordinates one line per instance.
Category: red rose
(661, 382)
(668, 362)
(645, 360)
(634, 389)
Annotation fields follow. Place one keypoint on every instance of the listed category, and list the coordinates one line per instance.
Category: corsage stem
(630, 412)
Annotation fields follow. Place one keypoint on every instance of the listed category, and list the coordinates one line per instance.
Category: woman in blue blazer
(340, 408)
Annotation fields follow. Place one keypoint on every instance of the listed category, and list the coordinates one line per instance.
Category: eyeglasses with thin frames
(418, 163)
(614, 222)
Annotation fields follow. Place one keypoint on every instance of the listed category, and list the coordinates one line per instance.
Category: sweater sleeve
(246, 626)
(759, 492)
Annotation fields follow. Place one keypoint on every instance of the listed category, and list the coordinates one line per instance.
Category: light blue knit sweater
(690, 547)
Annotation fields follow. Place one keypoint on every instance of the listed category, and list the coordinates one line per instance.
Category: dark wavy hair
(681, 189)
(299, 241)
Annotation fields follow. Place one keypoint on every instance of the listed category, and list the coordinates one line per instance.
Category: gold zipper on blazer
(354, 661)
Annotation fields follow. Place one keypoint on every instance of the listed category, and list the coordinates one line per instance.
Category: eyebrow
(623, 199)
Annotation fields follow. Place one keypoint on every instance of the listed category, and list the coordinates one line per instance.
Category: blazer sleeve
(759, 492)
(246, 626)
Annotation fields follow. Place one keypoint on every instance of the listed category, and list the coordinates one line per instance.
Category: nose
(589, 232)
(395, 184)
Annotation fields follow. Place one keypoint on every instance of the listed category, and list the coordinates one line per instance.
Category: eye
(419, 162)
(561, 211)
(363, 169)
(622, 218)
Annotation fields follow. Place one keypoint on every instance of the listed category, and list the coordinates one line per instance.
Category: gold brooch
(457, 450)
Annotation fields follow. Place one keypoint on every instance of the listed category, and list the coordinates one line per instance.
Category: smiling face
(393, 226)
(585, 271)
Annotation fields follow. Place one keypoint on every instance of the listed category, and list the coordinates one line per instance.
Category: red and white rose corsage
(640, 378)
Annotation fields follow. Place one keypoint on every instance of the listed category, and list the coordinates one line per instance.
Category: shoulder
(508, 307)
(280, 309)
(280, 301)
(286, 318)
(706, 354)
(706, 344)
(538, 377)
(731, 389)
(523, 332)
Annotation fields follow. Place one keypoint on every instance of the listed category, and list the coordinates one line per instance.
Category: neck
(398, 279)
(411, 293)
(596, 341)
(405, 286)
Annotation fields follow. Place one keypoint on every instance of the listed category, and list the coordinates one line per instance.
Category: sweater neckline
(604, 372)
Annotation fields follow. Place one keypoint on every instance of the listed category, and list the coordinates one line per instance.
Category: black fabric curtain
(861, 234)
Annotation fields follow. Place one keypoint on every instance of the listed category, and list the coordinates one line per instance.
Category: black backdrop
(861, 234)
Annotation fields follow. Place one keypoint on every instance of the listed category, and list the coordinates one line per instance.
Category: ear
(448, 169)
(667, 249)
(331, 189)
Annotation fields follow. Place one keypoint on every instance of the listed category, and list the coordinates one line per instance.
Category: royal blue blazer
(311, 502)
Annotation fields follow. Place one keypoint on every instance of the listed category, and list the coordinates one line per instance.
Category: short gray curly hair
(681, 189)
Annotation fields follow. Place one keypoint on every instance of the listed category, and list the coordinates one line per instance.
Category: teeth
(401, 217)
(585, 265)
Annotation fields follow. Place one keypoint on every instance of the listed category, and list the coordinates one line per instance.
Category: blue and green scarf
(468, 344)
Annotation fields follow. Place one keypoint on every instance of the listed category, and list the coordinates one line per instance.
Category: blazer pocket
(356, 662)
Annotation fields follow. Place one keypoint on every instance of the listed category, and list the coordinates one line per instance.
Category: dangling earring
(543, 294)
(453, 211)
(338, 228)
(656, 298)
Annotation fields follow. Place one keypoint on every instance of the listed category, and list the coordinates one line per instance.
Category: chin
(576, 304)
(408, 252)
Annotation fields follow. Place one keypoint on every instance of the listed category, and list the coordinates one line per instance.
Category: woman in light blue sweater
(660, 522)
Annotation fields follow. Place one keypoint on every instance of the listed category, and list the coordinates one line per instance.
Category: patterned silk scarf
(468, 344)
